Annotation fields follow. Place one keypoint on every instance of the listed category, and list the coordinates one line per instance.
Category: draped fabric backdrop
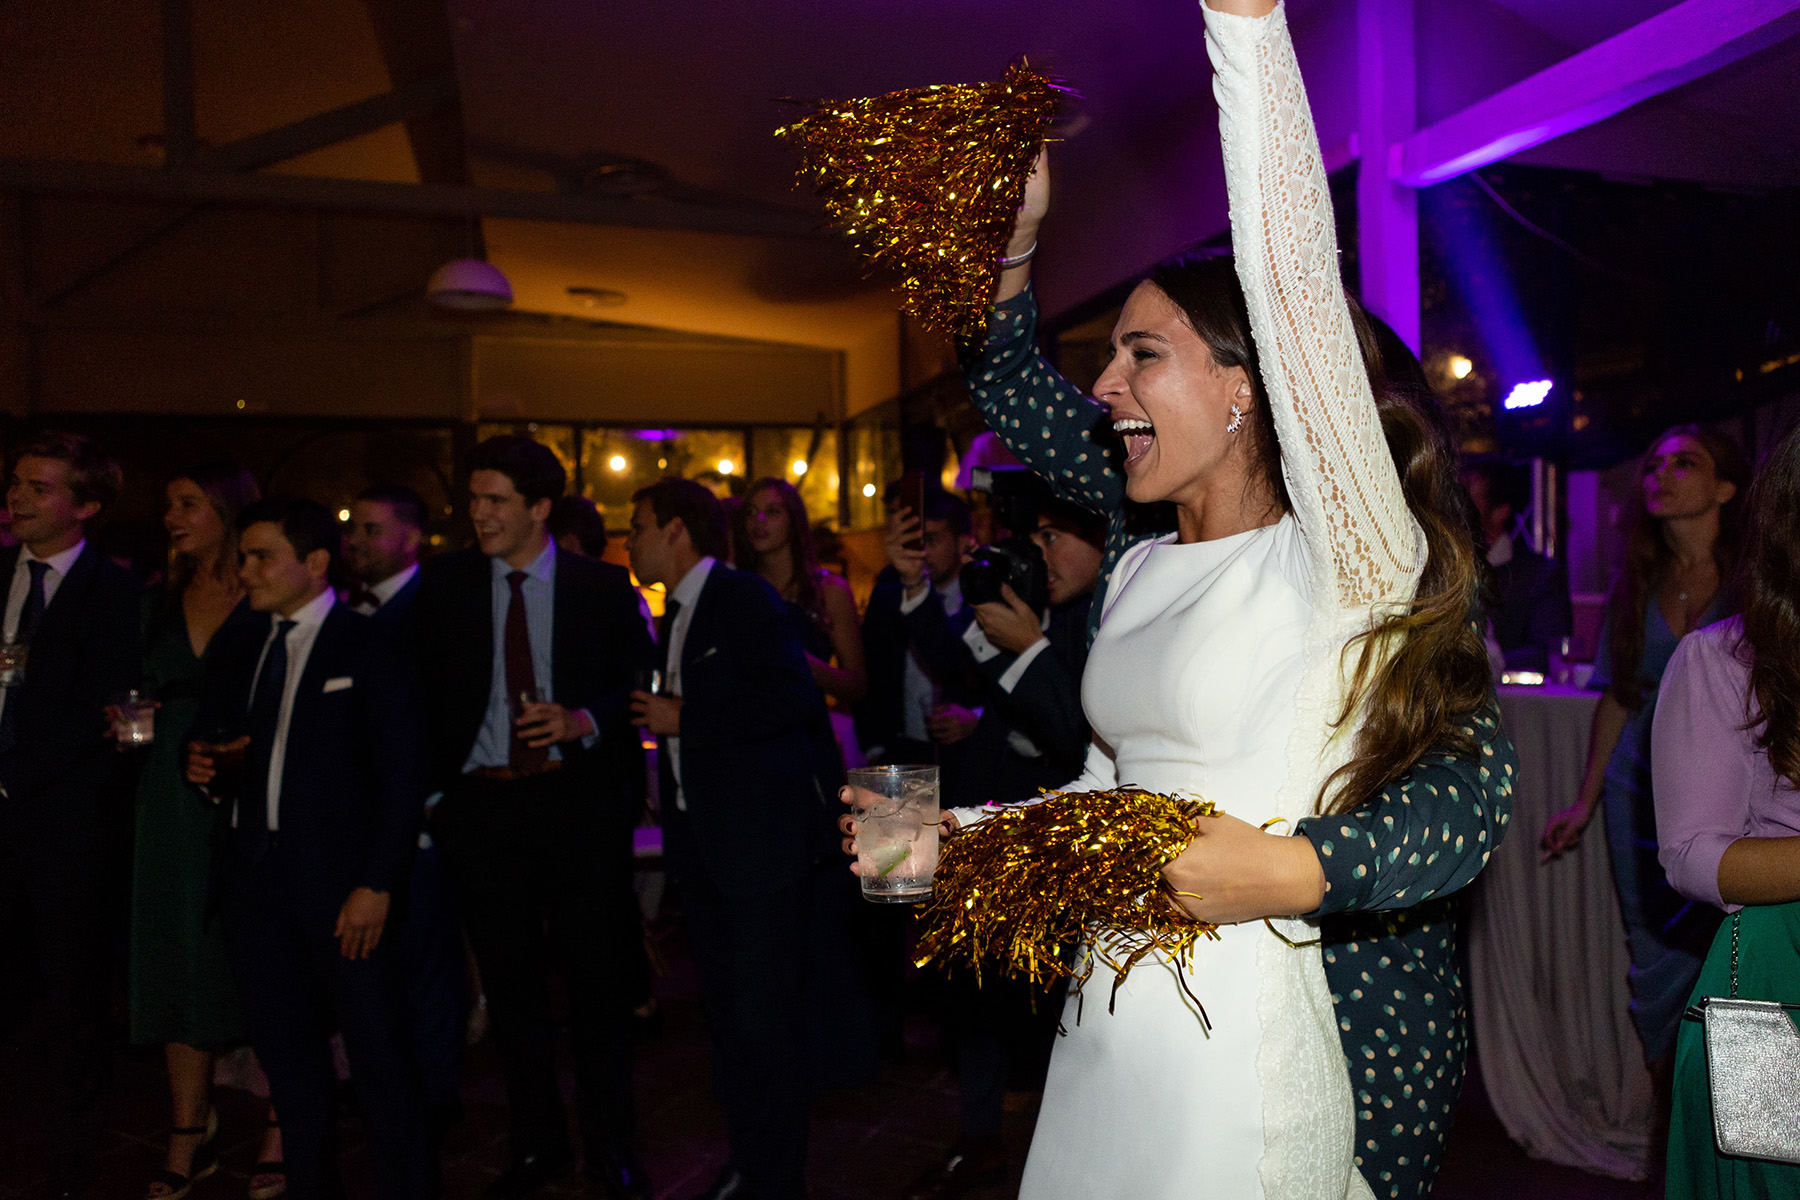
(1548, 960)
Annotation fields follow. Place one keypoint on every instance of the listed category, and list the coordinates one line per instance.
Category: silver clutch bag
(1753, 1072)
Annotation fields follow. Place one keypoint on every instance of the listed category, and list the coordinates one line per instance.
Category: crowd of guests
(382, 786)
(382, 789)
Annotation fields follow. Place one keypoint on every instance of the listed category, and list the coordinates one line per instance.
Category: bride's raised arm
(1363, 542)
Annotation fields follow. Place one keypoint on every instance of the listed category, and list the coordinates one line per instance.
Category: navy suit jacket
(351, 786)
(761, 794)
(598, 644)
(89, 647)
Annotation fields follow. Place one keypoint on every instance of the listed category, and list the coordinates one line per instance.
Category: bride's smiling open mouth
(1137, 434)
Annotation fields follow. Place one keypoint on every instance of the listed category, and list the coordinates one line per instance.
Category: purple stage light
(1528, 395)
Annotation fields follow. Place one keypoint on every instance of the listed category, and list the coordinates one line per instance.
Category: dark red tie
(521, 676)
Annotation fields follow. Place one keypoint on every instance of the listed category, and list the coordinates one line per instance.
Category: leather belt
(512, 774)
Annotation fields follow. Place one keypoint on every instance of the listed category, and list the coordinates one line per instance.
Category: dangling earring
(1237, 419)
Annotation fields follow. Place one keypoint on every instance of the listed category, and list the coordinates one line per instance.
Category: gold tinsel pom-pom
(1021, 889)
(927, 183)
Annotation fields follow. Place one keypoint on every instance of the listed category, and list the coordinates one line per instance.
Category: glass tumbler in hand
(12, 662)
(133, 719)
(226, 748)
(896, 812)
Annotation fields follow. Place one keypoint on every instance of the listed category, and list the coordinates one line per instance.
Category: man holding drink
(747, 831)
(324, 822)
(528, 654)
(70, 643)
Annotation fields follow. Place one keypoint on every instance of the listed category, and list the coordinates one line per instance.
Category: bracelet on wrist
(1018, 260)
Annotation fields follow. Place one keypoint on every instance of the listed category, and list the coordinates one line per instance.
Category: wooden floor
(867, 1143)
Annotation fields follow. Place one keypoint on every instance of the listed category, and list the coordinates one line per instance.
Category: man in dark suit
(747, 823)
(62, 815)
(382, 544)
(918, 710)
(1530, 608)
(528, 656)
(324, 823)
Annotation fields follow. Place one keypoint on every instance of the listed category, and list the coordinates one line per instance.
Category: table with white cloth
(1548, 960)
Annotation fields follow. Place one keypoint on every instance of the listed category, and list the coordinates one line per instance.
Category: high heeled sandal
(173, 1185)
(268, 1181)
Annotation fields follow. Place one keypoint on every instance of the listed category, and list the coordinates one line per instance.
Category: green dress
(1768, 969)
(181, 989)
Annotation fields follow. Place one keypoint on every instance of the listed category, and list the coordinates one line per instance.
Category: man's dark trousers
(292, 973)
(537, 865)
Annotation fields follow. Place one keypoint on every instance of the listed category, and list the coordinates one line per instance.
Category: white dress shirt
(300, 641)
(21, 587)
(387, 589)
(687, 595)
(919, 695)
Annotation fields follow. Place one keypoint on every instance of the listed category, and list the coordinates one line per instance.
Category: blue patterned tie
(30, 614)
(265, 716)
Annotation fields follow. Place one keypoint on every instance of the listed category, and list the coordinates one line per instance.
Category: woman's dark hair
(230, 489)
(1423, 669)
(1648, 556)
(1205, 287)
(533, 468)
(699, 510)
(800, 543)
(1769, 586)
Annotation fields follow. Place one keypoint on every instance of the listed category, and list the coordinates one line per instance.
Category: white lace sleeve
(1362, 541)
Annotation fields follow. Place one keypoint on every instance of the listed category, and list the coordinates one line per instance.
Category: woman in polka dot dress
(1388, 864)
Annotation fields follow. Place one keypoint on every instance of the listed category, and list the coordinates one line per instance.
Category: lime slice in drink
(888, 858)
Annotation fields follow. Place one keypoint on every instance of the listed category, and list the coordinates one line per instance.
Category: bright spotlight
(343, 514)
(869, 489)
(799, 466)
(616, 462)
(1460, 366)
(726, 466)
(1528, 395)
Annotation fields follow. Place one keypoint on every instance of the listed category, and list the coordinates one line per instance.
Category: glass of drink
(896, 811)
(12, 662)
(227, 751)
(134, 719)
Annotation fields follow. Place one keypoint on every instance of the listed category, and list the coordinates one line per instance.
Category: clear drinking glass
(896, 811)
(134, 719)
(12, 662)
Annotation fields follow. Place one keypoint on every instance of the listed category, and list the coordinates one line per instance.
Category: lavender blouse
(1713, 785)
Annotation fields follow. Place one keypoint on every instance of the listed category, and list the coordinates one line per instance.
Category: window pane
(874, 462)
(617, 462)
(791, 454)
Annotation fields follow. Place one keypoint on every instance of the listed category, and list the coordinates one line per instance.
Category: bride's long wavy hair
(1422, 670)
(1769, 585)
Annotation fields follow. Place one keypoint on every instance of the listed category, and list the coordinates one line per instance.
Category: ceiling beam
(416, 46)
(178, 82)
(430, 200)
(329, 128)
(1674, 47)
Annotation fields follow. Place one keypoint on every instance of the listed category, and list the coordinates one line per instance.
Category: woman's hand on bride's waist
(1233, 872)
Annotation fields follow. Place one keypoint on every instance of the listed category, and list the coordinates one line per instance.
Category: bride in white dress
(1220, 670)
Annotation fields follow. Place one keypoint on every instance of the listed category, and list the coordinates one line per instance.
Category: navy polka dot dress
(1388, 922)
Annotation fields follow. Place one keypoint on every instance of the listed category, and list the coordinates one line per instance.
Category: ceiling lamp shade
(469, 284)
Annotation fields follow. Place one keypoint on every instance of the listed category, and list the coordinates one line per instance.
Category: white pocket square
(339, 684)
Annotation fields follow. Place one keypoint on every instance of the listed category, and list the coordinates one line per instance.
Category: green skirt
(1768, 969)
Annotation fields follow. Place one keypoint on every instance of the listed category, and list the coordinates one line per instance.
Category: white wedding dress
(1216, 673)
